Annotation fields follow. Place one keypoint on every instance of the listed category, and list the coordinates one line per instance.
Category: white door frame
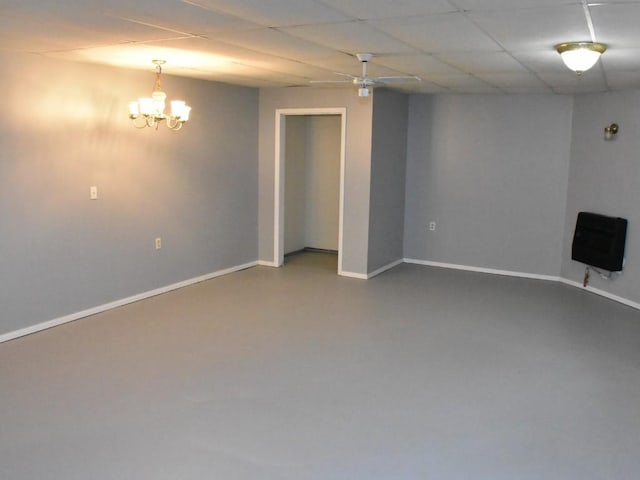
(278, 215)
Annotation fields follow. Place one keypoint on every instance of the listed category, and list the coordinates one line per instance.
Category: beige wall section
(357, 168)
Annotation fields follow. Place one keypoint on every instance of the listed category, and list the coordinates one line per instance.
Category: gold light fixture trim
(149, 111)
(611, 131)
(580, 56)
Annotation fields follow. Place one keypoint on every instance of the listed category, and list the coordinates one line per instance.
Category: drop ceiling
(460, 46)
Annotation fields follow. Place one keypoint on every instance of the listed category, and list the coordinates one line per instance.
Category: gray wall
(605, 178)
(312, 182)
(358, 166)
(322, 199)
(388, 171)
(492, 172)
(295, 188)
(65, 128)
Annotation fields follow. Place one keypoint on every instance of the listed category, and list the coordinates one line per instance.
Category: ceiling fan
(364, 82)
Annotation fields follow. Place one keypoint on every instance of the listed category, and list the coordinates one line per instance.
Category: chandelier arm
(149, 112)
(139, 121)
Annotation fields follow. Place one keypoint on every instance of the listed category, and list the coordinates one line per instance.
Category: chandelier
(149, 111)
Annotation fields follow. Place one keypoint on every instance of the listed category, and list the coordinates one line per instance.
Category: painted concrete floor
(296, 373)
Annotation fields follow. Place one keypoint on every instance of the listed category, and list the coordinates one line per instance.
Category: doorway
(300, 192)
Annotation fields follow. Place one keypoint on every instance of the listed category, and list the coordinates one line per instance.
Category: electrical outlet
(432, 226)
(158, 243)
(93, 192)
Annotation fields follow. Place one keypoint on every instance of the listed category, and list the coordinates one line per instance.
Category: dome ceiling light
(580, 56)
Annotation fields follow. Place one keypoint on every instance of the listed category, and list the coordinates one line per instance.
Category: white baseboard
(360, 276)
(118, 303)
(385, 268)
(491, 271)
(159, 291)
(264, 263)
(602, 293)
(535, 276)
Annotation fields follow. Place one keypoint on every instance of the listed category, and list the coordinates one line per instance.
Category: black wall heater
(599, 241)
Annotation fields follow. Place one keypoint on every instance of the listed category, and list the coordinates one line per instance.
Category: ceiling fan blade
(398, 79)
(344, 82)
(345, 75)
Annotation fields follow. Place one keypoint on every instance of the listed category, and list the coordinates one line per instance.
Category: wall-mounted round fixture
(580, 56)
(611, 131)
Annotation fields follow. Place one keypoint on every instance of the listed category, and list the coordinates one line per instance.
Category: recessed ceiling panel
(352, 37)
(547, 60)
(275, 13)
(507, 4)
(449, 32)
(482, 62)
(514, 81)
(178, 16)
(421, 65)
(536, 28)
(620, 80)
(274, 42)
(624, 59)
(617, 25)
(503, 45)
(375, 9)
(463, 83)
(349, 64)
(560, 83)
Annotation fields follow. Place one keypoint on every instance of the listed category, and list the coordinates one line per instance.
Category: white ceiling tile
(521, 90)
(591, 81)
(619, 80)
(448, 32)
(521, 81)
(536, 28)
(274, 42)
(547, 60)
(78, 30)
(507, 4)
(275, 13)
(421, 65)
(349, 64)
(374, 9)
(178, 16)
(352, 37)
(626, 59)
(422, 87)
(617, 24)
(463, 83)
(478, 62)
(505, 44)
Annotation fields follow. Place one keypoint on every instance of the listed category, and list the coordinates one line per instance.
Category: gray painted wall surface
(358, 166)
(294, 194)
(388, 172)
(605, 178)
(65, 128)
(312, 182)
(322, 180)
(492, 172)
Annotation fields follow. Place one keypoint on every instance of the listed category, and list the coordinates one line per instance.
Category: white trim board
(278, 208)
(602, 293)
(492, 271)
(119, 303)
(534, 276)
